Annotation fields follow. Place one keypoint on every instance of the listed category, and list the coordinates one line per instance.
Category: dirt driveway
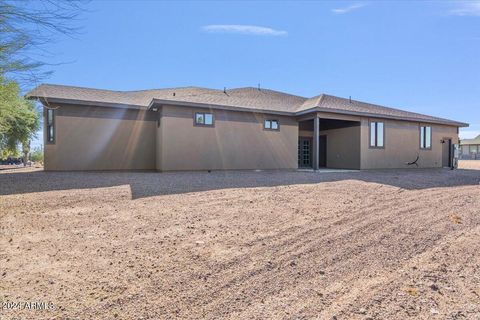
(390, 244)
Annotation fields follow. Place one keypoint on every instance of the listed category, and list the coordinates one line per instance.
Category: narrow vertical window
(422, 138)
(428, 137)
(425, 137)
(50, 126)
(377, 132)
(380, 134)
(373, 133)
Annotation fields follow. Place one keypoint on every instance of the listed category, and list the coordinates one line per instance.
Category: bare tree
(26, 27)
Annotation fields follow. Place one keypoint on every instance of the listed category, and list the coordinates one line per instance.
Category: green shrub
(37, 156)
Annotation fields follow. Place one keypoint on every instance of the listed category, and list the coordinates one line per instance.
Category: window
(425, 137)
(377, 131)
(50, 126)
(203, 119)
(271, 125)
(473, 149)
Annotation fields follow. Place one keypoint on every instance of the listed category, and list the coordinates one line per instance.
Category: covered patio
(326, 142)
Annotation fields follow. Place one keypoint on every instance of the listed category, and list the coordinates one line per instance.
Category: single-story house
(470, 148)
(195, 128)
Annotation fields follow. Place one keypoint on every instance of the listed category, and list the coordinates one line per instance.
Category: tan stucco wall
(237, 141)
(96, 138)
(343, 147)
(402, 143)
(99, 138)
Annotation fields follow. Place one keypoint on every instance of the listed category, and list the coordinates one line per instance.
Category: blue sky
(418, 56)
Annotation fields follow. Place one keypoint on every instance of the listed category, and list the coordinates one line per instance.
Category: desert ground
(391, 244)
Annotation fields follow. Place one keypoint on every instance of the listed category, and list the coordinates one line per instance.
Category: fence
(471, 156)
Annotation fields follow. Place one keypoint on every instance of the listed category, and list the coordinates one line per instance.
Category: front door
(446, 153)
(304, 152)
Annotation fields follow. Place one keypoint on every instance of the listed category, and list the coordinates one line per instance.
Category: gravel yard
(387, 244)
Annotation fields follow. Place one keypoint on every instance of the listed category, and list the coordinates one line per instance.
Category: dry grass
(455, 218)
(242, 245)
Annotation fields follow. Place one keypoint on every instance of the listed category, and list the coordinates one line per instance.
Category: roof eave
(379, 116)
(157, 102)
(47, 101)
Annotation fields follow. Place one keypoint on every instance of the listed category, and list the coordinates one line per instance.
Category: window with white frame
(377, 133)
(203, 119)
(271, 125)
(425, 137)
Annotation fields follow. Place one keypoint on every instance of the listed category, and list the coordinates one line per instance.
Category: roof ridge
(79, 87)
(175, 88)
(267, 89)
(125, 91)
(320, 99)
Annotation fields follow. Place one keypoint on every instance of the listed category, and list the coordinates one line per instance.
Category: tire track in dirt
(260, 272)
(297, 251)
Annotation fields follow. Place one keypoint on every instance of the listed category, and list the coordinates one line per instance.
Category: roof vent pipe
(350, 99)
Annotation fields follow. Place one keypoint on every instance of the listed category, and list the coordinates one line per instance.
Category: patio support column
(316, 141)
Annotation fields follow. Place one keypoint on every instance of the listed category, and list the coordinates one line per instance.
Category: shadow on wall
(147, 184)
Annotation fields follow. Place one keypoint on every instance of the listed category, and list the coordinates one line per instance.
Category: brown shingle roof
(264, 100)
(341, 105)
(251, 98)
